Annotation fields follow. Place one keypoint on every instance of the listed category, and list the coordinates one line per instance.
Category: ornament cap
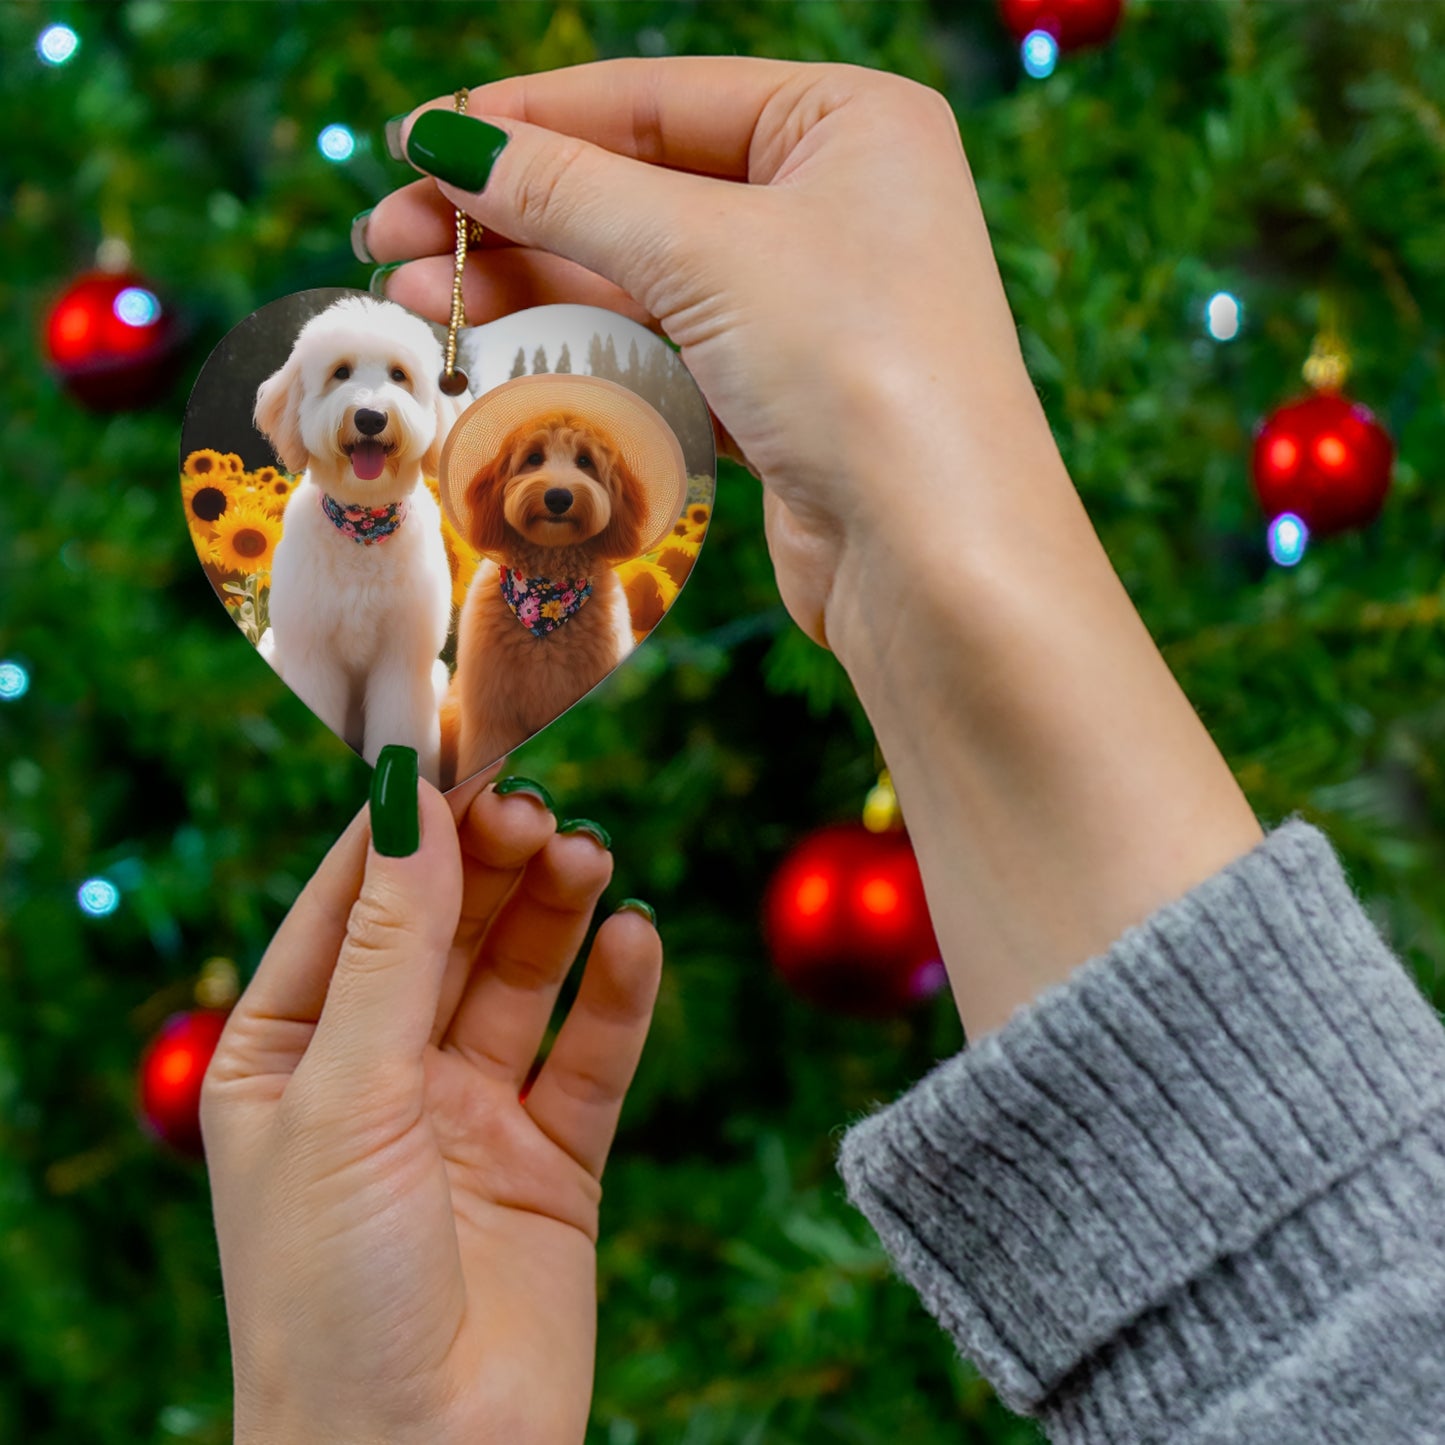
(881, 813)
(219, 984)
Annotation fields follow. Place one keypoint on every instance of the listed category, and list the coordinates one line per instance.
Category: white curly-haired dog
(360, 595)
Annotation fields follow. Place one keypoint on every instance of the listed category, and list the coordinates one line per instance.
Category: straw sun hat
(647, 444)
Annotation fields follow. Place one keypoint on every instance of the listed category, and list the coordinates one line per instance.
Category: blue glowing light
(1288, 537)
(1223, 316)
(14, 681)
(98, 897)
(136, 306)
(336, 143)
(1040, 52)
(57, 44)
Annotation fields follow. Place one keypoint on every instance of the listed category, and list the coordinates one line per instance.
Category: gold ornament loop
(454, 382)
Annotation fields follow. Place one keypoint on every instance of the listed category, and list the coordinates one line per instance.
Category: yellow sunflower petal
(203, 463)
(246, 538)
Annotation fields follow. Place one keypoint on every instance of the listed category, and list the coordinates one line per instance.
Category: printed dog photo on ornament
(447, 573)
(582, 484)
(313, 512)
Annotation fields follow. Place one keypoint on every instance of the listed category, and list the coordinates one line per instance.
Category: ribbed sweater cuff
(1125, 1194)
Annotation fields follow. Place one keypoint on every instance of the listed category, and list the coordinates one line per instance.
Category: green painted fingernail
(586, 825)
(455, 148)
(526, 785)
(636, 905)
(377, 284)
(395, 816)
(359, 248)
(392, 131)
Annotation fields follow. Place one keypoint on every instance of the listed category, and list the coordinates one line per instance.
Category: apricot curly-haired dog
(545, 619)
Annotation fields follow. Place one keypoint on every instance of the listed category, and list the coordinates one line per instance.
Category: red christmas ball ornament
(847, 924)
(1326, 459)
(171, 1071)
(111, 341)
(1072, 23)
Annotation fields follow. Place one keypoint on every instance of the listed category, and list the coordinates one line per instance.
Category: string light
(14, 681)
(98, 897)
(1223, 316)
(136, 306)
(57, 44)
(1288, 537)
(336, 143)
(1040, 52)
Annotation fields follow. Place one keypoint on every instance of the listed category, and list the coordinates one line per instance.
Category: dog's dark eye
(397, 374)
(584, 460)
(341, 373)
(534, 459)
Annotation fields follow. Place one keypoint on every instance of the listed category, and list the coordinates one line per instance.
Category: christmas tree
(1286, 158)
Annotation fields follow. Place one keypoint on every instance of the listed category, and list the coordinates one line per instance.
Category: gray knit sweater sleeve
(1197, 1191)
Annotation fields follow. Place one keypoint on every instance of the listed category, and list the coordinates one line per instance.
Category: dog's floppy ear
(278, 415)
(447, 409)
(622, 538)
(486, 523)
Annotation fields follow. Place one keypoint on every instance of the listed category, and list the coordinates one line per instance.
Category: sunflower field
(163, 797)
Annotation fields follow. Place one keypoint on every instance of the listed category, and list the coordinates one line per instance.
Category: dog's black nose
(368, 423)
(558, 499)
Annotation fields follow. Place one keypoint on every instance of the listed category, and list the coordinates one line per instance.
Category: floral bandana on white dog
(540, 604)
(364, 524)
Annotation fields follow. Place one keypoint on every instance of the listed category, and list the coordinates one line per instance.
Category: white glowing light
(136, 306)
(98, 897)
(336, 143)
(1040, 52)
(1288, 537)
(57, 44)
(1223, 316)
(14, 681)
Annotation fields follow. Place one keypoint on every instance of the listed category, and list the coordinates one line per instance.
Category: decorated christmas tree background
(1186, 209)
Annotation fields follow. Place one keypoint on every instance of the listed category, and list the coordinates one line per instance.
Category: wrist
(1057, 784)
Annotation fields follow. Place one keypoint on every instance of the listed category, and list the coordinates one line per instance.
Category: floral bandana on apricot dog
(364, 524)
(540, 604)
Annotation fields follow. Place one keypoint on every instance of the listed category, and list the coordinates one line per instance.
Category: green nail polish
(392, 132)
(525, 785)
(395, 820)
(586, 825)
(455, 148)
(636, 905)
(359, 248)
(377, 284)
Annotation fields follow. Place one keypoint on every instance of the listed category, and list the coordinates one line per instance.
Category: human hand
(408, 1249)
(842, 312)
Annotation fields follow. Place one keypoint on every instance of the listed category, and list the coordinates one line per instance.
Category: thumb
(640, 226)
(382, 1000)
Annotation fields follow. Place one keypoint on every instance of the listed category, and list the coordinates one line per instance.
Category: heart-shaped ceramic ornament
(448, 573)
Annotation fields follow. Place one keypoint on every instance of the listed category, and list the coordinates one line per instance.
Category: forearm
(1056, 782)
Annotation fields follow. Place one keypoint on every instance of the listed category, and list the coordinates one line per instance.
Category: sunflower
(232, 463)
(461, 560)
(204, 463)
(676, 559)
(698, 514)
(650, 592)
(205, 496)
(246, 538)
(264, 476)
(277, 492)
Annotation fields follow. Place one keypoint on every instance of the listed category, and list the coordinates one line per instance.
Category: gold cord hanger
(454, 382)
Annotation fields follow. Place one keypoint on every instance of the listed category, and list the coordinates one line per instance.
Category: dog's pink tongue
(367, 460)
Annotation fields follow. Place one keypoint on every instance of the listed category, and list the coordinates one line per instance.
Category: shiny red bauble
(847, 924)
(1324, 458)
(112, 341)
(1073, 23)
(171, 1071)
